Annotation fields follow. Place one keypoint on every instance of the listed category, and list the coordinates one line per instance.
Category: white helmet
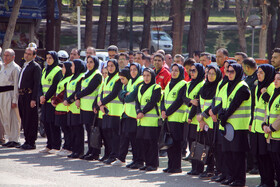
(63, 54)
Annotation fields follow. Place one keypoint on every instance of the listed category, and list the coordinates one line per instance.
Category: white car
(160, 40)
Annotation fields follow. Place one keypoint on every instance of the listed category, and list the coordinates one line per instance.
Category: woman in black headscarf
(51, 75)
(263, 91)
(235, 112)
(61, 110)
(173, 109)
(77, 131)
(111, 108)
(85, 98)
(206, 125)
(197, 73)
(147, 108)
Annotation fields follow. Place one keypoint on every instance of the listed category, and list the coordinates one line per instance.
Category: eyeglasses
(230, 71)
(192, 70)
(211, 74)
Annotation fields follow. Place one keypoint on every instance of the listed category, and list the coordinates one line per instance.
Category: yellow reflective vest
(60, 87)
(273, 112)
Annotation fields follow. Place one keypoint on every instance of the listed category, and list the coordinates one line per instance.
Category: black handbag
(95, 135)
(199, 151)
(166, 140)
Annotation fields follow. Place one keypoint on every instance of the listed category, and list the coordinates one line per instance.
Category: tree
(178, 25)
(102, 24)
(58, 26)
(114, 23)
(242, 10)
(277, 38)
(50, 25)
(266, 17)
(198, 25)
(88, 28)
(146, 24)
(11, 25)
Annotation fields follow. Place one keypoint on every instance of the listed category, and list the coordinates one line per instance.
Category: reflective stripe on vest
(205, 104)
(273, 112)
(150, 119)
(87, 101)
(47, 81)
(71, 87)
(241, 117)
(100, 114)
(169, 97)
(129, 108)
(60, 87)
(115, 106)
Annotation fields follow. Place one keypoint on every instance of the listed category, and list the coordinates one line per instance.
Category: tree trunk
(146, 25)
(270, 41)
(88, 28)
(171, 11)
(11, 25)
(50, 26)
(101, 33)
(114, 22)
(58, 26)
(241, 13)
(263, 34)
(198, 25)
(226, 7)
(277, 40)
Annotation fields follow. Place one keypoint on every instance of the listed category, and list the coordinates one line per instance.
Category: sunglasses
(192, 70)
(230, 71)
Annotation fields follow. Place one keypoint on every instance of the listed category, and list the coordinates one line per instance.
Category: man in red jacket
(163, 76)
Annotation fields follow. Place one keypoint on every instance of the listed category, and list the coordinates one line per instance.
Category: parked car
(160, 40)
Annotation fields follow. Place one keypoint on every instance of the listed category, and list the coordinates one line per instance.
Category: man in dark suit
(29, 81)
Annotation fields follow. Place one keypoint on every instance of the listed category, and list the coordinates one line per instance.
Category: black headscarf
(200, 76)
(68, 71)
(225, 79)
(181, 76)
(125, 72)
(275, 94)
(269, 71)
(153, 80)
(96, 65)
(238, 77)
(115, 62)
(139, 69)
(55, 61)
(208, 90)
(80, 67)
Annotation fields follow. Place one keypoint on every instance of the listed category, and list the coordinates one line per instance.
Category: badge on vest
(174, 94)
(49, 80)
(111, 84)
(87, 80)
(277, 107)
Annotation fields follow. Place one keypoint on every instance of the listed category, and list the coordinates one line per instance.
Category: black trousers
(91, 150)
(135, 145)
(236, 163)
(66, 133)
(266, 169)
(275, 157)
(29, 118)
(220, 160)
(77, 138)
(113, 138)
(53, 135)
(149, 148)
(252, 161)
(174, 155)
(106, 142)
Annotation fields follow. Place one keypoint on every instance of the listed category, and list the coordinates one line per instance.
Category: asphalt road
(30, 168)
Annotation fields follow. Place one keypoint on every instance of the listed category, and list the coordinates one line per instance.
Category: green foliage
(220, 41)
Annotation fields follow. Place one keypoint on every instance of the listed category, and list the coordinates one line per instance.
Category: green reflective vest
(87, 101)
(169, 97)
(273, 112)
(151, 118)
(129, 108)
(192, 95)
(204, 104)
(115, 106)
(241, 117)
(100, 114)
(47, 81)
(71, 87)
(260, 114)
(60, 87)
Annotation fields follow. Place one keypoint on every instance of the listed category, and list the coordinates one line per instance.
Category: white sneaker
(64, 152)
(45, 150)
(118, 163)
(53, 151)
(61, 151)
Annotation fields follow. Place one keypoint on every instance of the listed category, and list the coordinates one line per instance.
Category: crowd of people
(232, 106)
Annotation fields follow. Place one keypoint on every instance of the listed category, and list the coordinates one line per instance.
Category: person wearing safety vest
(235, 112)
(206, 126)
(197, 73)
(51, 75)
(148, 115)
(84, 100)
(77, 131)
(112, 108)
(271, 128)
(61, 110)
(263, 91)
(128, 121)
(173, 108)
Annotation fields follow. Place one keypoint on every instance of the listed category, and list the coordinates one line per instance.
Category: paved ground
(30, 168)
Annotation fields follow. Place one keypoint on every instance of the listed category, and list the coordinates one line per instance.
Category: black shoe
(235, 183)
(174, 171)
(254, 171)
(74, 155)
(185, 159)
(130, 164)
(206, 175)
(103, 158)
(143, 168)
(220, 178)
(193, 172)
(215, 177)
(136, 166)
(109, 161)
(28, 146)
(91, 157)
(5, 144)
(227, 181)
(165, 170)
(13, 144)
(150, 168)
